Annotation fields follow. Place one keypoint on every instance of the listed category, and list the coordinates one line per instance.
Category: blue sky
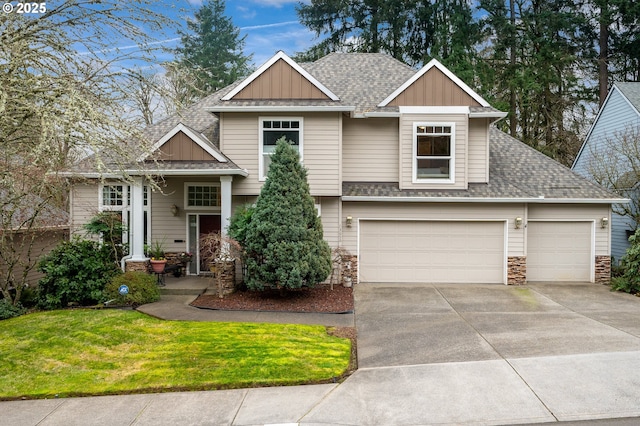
(270, 25)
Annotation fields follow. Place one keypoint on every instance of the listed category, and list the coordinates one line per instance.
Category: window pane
(271, 137)
(202, 196)
(112, 195)
(433, 146)
(432, 169)
(267, 163)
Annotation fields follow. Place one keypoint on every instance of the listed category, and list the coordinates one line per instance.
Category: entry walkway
(512, 379)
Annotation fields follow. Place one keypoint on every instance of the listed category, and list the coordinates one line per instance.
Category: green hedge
(142, 289)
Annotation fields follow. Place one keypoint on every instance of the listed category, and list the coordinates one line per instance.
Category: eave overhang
(538, 200)
(177, 172)
(288, 108)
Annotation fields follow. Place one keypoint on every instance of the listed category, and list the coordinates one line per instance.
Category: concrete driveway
(409, 325)
(489, 355)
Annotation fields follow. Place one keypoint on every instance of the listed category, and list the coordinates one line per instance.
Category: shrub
(142, 289)
(629, 281)
(283, 238)
(7, 310)
(76, 272)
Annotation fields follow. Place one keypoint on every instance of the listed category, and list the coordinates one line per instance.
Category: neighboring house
(27, 240)
(619, 113)
(406, 169)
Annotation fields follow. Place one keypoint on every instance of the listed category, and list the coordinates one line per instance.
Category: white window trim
(261, 172)
(414, 153)
(125, 198)
(212, 209)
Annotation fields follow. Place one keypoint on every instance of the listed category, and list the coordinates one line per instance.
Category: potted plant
(158, 261)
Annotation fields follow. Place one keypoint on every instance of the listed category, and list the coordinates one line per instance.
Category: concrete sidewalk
(494, 383)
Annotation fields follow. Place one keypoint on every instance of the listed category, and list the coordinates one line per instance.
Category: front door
(199, 225)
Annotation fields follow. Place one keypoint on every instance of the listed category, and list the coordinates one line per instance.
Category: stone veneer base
(603, 270)
(516, 270)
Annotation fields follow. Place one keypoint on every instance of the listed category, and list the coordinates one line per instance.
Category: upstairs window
(433, 149)
(271, 130)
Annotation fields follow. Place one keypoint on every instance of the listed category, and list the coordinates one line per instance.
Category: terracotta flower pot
(158, 265)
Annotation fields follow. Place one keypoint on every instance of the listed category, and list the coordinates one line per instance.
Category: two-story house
(406, 169)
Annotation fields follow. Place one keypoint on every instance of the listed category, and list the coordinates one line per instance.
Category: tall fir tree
(213, 48)
(284, 240)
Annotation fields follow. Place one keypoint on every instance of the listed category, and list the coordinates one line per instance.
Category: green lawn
(97, 352)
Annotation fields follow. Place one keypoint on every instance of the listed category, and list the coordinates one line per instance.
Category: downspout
(124, 260)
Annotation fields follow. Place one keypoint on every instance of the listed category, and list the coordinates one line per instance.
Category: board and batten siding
(370, 150)
(438, 212)
(406, 149)
(322, 140)
(478, 150)
(577, 213)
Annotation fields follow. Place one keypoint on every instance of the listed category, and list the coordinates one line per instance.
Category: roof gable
(631, 92)
(183, 144)
(617, 109)
(280, 78)
(434, 85)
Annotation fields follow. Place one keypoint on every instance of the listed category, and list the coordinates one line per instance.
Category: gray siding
(615, 116)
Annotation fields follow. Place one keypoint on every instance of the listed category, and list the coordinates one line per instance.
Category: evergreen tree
(213, 48)
(283, 240)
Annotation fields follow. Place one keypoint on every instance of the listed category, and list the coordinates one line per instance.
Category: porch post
(225, 200)
(137, 220)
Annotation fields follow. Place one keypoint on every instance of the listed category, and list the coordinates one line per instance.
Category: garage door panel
(424, 251)
(559, 251)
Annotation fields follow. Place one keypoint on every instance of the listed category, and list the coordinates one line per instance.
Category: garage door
(559, 251)
(431, 252)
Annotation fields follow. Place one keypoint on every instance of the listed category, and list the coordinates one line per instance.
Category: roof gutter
(194, 172)
(486, 200)
(272, 108)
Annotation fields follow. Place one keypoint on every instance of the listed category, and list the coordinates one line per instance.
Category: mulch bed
(320, 299)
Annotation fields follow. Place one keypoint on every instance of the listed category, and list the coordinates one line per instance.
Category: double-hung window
(273, 129)
(433, 148)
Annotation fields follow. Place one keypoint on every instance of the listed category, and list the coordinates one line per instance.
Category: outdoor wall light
(349, 221)
(518, 222)
(604, 222)
(174, 210)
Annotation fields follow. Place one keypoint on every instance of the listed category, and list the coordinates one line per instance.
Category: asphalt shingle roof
(515, 171)
(363, 80)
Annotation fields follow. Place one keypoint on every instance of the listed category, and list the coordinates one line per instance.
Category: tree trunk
(603, 55)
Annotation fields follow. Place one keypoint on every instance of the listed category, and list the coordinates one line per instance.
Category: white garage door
(431, 252)
(559, 251)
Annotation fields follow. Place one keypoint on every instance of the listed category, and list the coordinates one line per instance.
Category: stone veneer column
(516, 270)
(350, 267)
(140, 266)
(603, 270)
